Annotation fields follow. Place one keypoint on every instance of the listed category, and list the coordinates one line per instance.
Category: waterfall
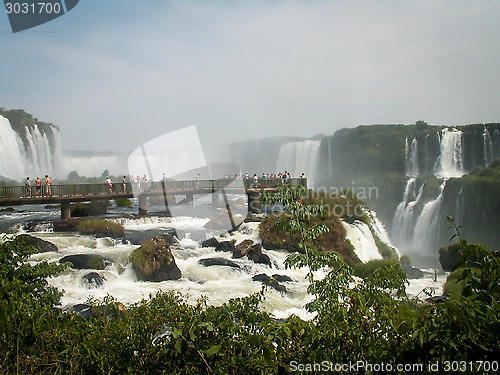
(299, 157)
(361, 237)
(411, 160)
(11, 152)
(40, 154)
(427, 227)
(487, 147)
(451, 156)
(426, 154)
(402, 227)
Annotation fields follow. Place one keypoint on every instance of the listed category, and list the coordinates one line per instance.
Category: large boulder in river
(93, 280)
(211, 242)
(255, 254)
(40, 245)
(242, 248)
(270, 281)
(86, 261)
(154, 260)
(227, 246)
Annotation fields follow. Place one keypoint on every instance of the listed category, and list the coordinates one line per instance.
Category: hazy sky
(113, 74)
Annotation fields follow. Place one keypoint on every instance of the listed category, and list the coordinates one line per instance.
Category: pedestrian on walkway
(27, 187)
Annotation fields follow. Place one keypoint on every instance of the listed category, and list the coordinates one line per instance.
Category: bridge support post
(254, 202)
(215, 198)
(189, 198)
(65, 210)
(143, 204)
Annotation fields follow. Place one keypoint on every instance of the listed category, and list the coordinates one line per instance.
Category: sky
(113, 74)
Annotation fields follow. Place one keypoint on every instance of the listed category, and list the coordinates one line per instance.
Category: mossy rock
(101, 228)
(86, 261)
(154, 260)
(40, 245)
(89, 209)
(273, 238)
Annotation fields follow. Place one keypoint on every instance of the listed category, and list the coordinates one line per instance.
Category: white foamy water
(361, 237)
(217, 283)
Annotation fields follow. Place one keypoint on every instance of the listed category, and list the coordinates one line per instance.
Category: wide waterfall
(39, 154)
(300, 157)
(451, 157)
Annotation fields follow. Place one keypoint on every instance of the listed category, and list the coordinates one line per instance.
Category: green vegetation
(355, 321)
(123, 202)
(476, 273)
(101, 228)
(81, 209)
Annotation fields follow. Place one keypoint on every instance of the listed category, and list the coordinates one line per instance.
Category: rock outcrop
(154, 260)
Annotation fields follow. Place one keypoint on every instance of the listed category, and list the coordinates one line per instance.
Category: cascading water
(12, 157)
(39, 155)
(411, 160)
(300, 157)
(487, 147)
(427, 226)
(451, 157)
(361, 237)
(402, 228)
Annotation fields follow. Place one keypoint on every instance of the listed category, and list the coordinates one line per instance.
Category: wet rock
(86, 261)
(93, 280)
(208, 262)
(282, 278)
(437, 299)
(270, 281)
(255, 254)
(40, 245)
(38, 226)
(211, 242)
(412, 272)
(8, 210)
(227, 246)
(154, 260)
(86, 311)
(242, 249)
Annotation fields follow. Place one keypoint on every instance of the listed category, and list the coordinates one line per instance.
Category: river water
(217, 283)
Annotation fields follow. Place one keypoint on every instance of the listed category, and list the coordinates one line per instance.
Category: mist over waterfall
(300, 157)
(451, 157)
(35, 153)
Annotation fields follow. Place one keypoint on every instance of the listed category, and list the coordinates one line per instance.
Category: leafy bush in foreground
(370, 320)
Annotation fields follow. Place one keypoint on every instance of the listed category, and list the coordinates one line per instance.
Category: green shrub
(364, 270)
(123, 202)
(101, 228)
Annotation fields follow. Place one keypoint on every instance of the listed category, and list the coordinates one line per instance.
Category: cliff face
(23, 124)
(380, 149)
(474, 202)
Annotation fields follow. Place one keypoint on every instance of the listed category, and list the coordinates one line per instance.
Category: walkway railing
(68, 190)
